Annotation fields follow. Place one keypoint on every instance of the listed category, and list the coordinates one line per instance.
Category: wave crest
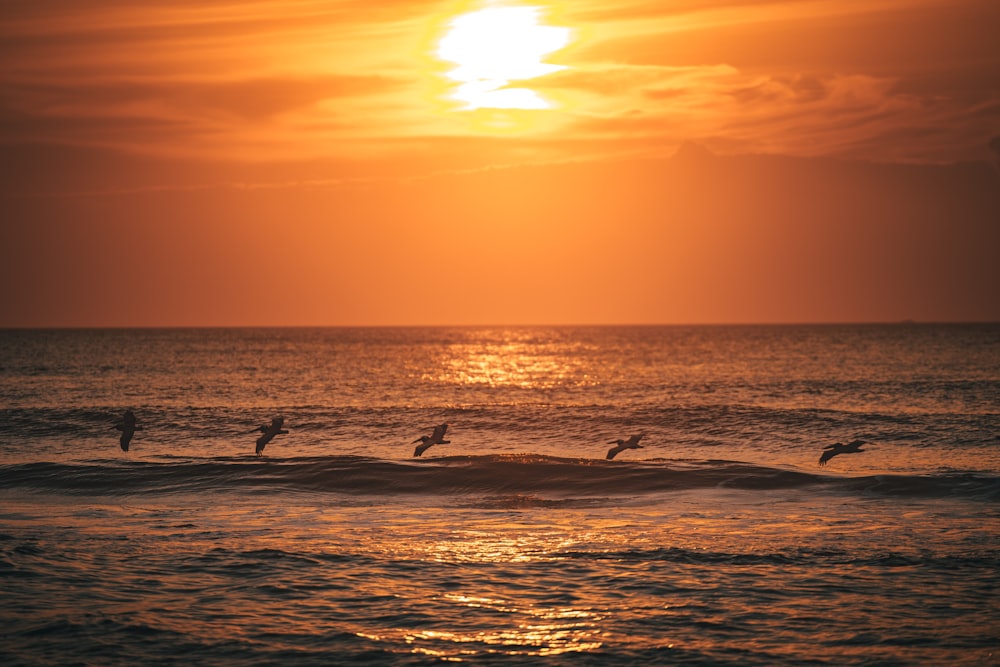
(512, 480)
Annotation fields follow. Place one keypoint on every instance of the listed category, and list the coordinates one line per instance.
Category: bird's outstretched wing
(439, 432)
(853, 447)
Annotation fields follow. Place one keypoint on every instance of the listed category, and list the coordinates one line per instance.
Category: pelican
(622, 445)
(269, 433)
(837, 448)
(128, 428)
(436, 438)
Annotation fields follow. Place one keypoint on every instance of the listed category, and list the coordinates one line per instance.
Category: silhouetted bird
(269, 433)
(128, 428)
(837, 448)
(622, 445)
(436, 438)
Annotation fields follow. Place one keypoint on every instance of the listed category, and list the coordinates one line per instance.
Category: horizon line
(163, 327)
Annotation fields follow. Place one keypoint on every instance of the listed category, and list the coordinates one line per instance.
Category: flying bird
(128, 428)
(622, 445)
(837, 448)
(269, 433)
(436, 438)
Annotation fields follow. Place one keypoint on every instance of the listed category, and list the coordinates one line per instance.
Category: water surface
(720, 542)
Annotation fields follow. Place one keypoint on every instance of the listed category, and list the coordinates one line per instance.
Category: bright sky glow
(495, 46)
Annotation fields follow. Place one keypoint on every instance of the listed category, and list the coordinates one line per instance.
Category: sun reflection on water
(485, 619)
(492, 547)
(526, 639)
(513, 364)
(533, 630)
(710, 573)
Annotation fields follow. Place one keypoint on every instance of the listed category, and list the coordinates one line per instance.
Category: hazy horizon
(539, 325)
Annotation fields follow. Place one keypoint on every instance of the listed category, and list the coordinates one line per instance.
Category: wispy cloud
(913, 80)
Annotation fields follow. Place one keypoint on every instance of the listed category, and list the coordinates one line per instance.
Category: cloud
(801, 77)
(806, 114)
(252, 118)
(354, 80)
(250, 99)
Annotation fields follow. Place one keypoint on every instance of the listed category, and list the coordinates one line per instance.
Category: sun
(496, 46)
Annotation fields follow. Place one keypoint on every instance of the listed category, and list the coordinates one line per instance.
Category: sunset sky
(306, 162)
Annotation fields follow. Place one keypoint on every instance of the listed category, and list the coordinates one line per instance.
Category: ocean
(722, 541)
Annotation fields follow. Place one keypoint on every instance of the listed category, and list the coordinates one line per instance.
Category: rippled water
(721, 542)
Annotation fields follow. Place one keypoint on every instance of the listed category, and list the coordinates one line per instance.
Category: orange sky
(299, 163)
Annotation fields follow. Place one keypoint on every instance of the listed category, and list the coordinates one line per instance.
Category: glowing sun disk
(495, 46)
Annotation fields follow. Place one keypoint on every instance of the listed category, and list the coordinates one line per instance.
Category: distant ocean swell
(314, 425)
(521, 477)
(222, 560)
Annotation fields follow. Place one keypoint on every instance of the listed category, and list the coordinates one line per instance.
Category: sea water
(721, 542)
